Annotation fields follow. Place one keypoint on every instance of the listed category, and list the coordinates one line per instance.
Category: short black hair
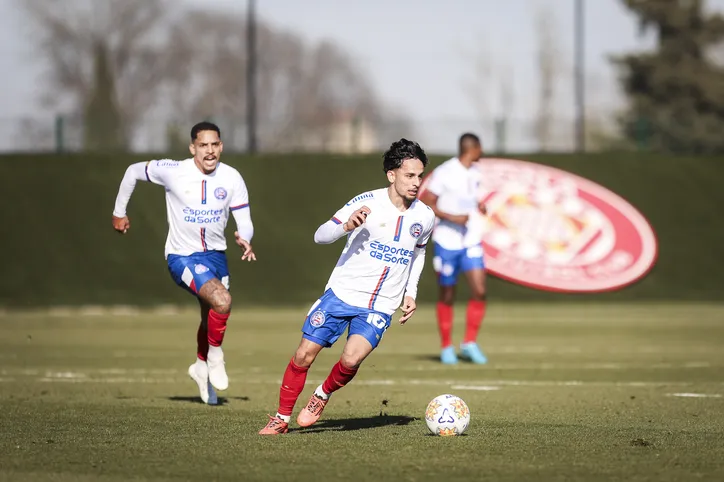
(204, 126)
(467, 138)
(401, 150)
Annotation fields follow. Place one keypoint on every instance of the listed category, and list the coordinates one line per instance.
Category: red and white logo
(552, 230)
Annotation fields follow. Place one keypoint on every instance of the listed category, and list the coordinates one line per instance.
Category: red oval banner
(552, 230)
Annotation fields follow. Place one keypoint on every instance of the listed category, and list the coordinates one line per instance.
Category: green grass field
(572, 392)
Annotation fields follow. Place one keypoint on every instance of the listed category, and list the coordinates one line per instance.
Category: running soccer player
(381, 264)
(200, 193)
(452, 193)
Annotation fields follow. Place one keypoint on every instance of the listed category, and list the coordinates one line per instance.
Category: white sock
(321, 394)
(215, 352)
(286, 418)
(200, 364)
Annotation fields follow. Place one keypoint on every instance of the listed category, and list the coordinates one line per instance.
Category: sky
(442, 39)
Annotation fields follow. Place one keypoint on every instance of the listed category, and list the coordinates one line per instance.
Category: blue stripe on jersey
(398, 229)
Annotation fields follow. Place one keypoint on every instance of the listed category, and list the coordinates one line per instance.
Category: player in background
(380, 265)
(200, 194)
(452, 193)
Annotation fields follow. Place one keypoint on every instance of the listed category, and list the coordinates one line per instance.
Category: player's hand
(246, 246)
(482, 208)
(408, 309)
(461, 219)
(121, 224)
(357, 219)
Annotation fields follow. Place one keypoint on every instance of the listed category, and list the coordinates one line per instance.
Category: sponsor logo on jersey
(220, 193)
(202, 216)
(555, 231)
(390, 254)
(167, 164)
(416, 230)
(317, 319)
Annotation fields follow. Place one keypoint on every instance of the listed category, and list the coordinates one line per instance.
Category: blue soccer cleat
(448, 356)
(471, 352)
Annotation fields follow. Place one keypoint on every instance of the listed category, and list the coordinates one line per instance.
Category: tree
(304, 90)
(549, 70)
(72, 34)
(190, 66)
(103, 124)
(676, 93)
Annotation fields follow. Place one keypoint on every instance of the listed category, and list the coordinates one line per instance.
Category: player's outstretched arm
(334, 229)
(135, 172)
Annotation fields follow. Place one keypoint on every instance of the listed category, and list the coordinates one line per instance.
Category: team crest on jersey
(200, 269)
(416, 230)
(220, 193)
(317, 319)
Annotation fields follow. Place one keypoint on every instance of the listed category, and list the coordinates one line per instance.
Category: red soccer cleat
(311, 413)
(276, 426)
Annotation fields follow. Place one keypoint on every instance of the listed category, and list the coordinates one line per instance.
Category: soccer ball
(447, 415)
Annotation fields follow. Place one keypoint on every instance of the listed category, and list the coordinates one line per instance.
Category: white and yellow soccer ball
(447, 415)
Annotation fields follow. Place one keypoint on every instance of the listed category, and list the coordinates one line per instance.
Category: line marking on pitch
(694, 395)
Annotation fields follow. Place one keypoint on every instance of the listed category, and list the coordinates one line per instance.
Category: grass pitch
(571, 392)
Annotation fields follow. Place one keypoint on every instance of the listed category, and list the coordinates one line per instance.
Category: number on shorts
(376, 320)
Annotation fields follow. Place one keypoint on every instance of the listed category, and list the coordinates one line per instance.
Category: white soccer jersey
(374, 267)
(457, 190)
(197, 204)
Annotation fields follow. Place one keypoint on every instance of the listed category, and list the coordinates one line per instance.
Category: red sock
(292, 385)
(338, 377)
(202, 342)
(217, 327)
(476, 313)
(444, 323)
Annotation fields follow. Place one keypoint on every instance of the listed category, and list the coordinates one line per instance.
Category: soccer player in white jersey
(452, 193)
(200, 194)
(378, 270)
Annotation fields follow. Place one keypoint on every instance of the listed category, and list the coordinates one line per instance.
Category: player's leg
(199, 371)
(365, 333)
(215, 295)
(206, 275)
(293, 381)
(320, 330)
(474, 269)
(192, 273)
(446, 263)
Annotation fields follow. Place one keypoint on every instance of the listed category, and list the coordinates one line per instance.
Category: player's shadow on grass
(221, 400)
(363, 423)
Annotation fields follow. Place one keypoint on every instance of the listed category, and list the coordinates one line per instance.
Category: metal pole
(251, 76)
(579, 80)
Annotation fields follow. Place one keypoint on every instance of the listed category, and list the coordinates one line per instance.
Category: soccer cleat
(471, 352)
(199, 373)
(276, 426)
(217, 371)
(448, 356)
(311, 413)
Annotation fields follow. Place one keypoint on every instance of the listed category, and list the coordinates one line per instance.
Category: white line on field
(482, 388)
(541, 366)
(83, 377)
(694, 395)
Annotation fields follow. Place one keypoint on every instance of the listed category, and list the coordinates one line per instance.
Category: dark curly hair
(401, 150)
(204, 126)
